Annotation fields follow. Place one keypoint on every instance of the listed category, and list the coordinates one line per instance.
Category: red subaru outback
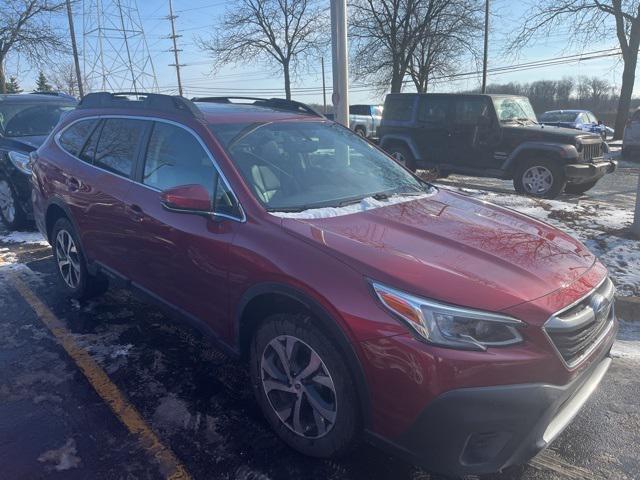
(368, 303)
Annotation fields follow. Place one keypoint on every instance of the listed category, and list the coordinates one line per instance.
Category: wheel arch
(388, 141)
(559, 151)
(264, 299)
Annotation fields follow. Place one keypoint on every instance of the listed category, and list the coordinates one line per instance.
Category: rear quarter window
(74, 137)
(399, 108)
(118, 145)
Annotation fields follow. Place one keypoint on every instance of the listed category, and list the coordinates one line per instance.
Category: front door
(472, 126)
(182, 257)
(432, 133)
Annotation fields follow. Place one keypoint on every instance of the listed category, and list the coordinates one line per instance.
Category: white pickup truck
(364, 119)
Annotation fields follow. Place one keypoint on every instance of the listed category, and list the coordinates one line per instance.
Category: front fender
(567, 152)
(400, 138)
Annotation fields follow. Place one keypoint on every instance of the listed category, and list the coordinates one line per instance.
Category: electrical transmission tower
(115, 52)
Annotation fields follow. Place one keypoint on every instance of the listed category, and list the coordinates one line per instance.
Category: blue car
(25, 122)
(577, 119)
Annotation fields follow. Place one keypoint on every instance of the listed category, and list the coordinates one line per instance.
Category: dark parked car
(367, 303)
(491, 136)
(25, 121)
(577, 119)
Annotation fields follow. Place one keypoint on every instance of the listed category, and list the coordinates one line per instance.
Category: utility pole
(175, 50)
(486, 46)
(340, 96)
(635, 229)
(74, 48)
(324, 88)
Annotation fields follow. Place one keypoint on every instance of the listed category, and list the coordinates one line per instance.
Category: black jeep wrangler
(491, 136)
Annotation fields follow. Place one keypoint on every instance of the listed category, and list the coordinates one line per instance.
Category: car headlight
(21, 161)
(450, 326)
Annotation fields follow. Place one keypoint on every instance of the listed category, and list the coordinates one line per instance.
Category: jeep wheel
(11, 213)
(72, 265)
(579, 188)
(303, 386)
(403, 156)
(539, 178)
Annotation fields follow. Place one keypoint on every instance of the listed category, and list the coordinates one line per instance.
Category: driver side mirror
(187, 199)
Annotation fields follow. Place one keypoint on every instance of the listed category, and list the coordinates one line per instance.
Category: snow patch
(627, 344)
(64, 457)
(368, 203)
(24, 237)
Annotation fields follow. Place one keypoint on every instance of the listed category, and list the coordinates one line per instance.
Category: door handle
(135, 212)
(73, 183)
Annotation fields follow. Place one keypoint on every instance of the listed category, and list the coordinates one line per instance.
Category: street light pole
(340, 96)
(486, 46)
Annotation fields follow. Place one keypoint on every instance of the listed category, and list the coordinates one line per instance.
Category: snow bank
(23, 237)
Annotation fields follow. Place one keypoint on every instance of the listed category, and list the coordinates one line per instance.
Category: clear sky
(198, 17)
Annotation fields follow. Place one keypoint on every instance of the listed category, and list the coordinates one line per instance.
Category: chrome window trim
(56, 138)
(598, 341)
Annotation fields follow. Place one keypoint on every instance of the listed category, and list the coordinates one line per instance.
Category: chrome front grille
(578, 329)
(592, 151)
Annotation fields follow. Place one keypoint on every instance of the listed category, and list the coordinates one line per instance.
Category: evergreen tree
(42, 85)
(12, 85)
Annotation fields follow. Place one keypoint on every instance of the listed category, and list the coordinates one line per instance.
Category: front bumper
(474, 431)
(586, 172)
(21, 185)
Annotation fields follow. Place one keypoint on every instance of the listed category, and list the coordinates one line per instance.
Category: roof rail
(143, 101)
(275, 103)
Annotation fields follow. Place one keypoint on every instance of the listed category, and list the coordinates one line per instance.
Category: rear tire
(579, 188)
(403, 155)
(361, 131)
(71, 263)
(303, 386)
(11, 213)
(542, 178)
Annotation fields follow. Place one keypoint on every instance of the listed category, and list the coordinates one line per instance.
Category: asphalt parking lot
(115, 388)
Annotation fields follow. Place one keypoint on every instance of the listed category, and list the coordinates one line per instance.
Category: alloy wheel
(7, 204)
(537, 180)
(68, 259)
(299, 387)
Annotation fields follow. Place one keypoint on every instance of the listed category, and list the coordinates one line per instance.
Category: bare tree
(286, 31)
(386, 34)
(63, 77)
(450, 36)
(589, 19)
(25, 28)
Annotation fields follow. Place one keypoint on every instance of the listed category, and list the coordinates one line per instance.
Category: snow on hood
(365, 204)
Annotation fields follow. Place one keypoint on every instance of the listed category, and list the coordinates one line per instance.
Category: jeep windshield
(23, 119)
(296, 166)
(514, 109)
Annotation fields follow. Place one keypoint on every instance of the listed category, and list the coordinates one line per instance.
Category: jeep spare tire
(542, 178)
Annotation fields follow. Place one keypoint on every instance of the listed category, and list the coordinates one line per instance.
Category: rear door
(472, 125)
(182, 257)
(99, 187)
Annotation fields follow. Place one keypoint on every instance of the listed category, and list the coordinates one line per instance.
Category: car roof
(493, 95)
(234, 112)
(568, 111)
(36, 98)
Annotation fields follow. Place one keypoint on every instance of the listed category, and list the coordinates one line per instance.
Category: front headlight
(21, 161)
(450, 326)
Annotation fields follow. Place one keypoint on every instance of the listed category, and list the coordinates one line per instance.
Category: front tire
(541, 178)
(303, 386)
(11, 213)
(72, 265)
(579, 188)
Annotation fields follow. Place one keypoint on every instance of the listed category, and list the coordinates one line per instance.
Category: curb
(628, 308)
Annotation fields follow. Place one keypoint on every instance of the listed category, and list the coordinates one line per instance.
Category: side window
(399, 107)
(592, 118)
(73, 138)
(175, 157)
(433, 110)
(89, 150)
(118, 145)
(469, 110)
(582, 118)
(224, 202)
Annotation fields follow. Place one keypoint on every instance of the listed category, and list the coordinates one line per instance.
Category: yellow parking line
(170, 466)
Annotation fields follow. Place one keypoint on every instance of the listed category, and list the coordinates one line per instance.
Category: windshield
(30, 119)
(558, 117)
(514, 109)
(295, 166)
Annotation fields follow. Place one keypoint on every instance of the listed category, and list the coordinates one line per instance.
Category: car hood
(550, 133)
(22, 144)
(453, 249)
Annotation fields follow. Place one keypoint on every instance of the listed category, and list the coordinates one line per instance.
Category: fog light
(483, 447)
